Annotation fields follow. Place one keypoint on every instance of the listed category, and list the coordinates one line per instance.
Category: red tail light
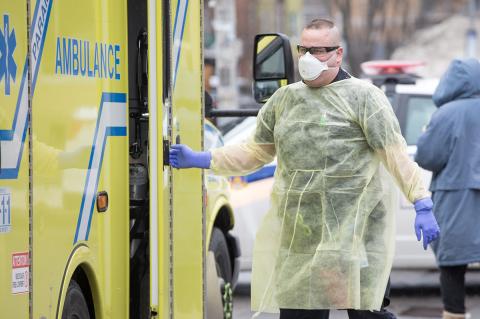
(390, 67)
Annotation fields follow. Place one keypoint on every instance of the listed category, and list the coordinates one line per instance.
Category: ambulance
(93, 221)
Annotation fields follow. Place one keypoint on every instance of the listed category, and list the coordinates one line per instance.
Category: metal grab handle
(232, 113)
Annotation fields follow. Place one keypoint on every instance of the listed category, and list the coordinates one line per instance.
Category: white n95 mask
(310, 67)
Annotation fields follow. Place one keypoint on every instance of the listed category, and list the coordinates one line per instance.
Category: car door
(414, 112)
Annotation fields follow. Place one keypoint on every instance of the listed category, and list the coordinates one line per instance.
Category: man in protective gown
(327, 241)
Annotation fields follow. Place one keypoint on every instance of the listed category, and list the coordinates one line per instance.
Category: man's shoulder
(359, 87)
(358, 83)
(288, 87)
(365, 85)
(295, 86)
(291, 89)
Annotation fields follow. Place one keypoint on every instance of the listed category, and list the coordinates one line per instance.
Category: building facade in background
(371, 29)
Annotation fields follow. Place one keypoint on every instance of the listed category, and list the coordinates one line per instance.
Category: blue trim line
(9, 173)
(176, 17)
(263, 173)
(116, 131)
(114, 97)
(7, 135)
(109, 131)
(180, 45)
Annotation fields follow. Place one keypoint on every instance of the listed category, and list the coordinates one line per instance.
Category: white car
(413, 106)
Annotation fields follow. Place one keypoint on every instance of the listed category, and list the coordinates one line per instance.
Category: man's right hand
(182, 156)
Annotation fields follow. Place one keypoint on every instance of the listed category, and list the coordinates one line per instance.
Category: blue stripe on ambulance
(111, 121)
(180, 18)
(7, 135)
(13, 140)
(263, 173)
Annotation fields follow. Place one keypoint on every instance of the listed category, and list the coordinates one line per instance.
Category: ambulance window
(419, 111)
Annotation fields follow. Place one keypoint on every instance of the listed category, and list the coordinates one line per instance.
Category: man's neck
(341, 75)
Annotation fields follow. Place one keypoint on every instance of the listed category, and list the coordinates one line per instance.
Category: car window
(241, 132)
(419, 111)
(212, 138)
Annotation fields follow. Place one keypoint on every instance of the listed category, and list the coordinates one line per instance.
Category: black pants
(452, 282)
(352, 314)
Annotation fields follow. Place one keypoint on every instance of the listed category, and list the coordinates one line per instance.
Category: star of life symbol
(8, 42)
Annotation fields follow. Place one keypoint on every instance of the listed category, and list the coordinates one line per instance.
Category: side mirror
(272, 65)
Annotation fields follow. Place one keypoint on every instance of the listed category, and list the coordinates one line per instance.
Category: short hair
(209, 61)
(325, 24)
(320, 24)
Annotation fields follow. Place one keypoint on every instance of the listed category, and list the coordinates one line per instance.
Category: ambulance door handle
(166, 152)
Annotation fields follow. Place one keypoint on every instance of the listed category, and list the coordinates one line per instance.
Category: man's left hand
(425, 223)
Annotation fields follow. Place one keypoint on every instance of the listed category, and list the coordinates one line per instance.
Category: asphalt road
(415, 295)
(405, 307)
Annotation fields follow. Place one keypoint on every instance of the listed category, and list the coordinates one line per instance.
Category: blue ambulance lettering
(39, 28)
(77, 57)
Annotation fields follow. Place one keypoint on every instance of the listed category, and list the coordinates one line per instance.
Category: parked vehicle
(220, 220)
(94, 223)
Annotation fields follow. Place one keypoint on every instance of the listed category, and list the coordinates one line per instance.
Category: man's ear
(339, 57)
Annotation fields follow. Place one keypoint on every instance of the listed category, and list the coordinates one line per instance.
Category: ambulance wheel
(218, 245)
(75, 306)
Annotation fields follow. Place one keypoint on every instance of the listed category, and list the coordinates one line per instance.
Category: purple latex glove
(425, 222)
(182, 156)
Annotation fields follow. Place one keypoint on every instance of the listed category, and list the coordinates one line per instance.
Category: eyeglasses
(315, 50)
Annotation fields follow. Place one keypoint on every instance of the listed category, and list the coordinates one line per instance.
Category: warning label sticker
(20, 273)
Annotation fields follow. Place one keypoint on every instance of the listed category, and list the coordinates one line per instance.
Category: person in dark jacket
(450, 148)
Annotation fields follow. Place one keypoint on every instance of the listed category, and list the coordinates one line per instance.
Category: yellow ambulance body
(93, 222)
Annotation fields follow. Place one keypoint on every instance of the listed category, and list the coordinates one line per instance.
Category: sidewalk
(414, 307)
(402, 282)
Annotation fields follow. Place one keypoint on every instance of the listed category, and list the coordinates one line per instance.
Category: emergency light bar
(384, 67)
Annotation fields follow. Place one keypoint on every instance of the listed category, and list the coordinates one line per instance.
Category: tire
(218, 245)
(75, 306)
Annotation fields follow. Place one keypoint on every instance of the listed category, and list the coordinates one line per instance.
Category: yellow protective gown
(327, 241)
